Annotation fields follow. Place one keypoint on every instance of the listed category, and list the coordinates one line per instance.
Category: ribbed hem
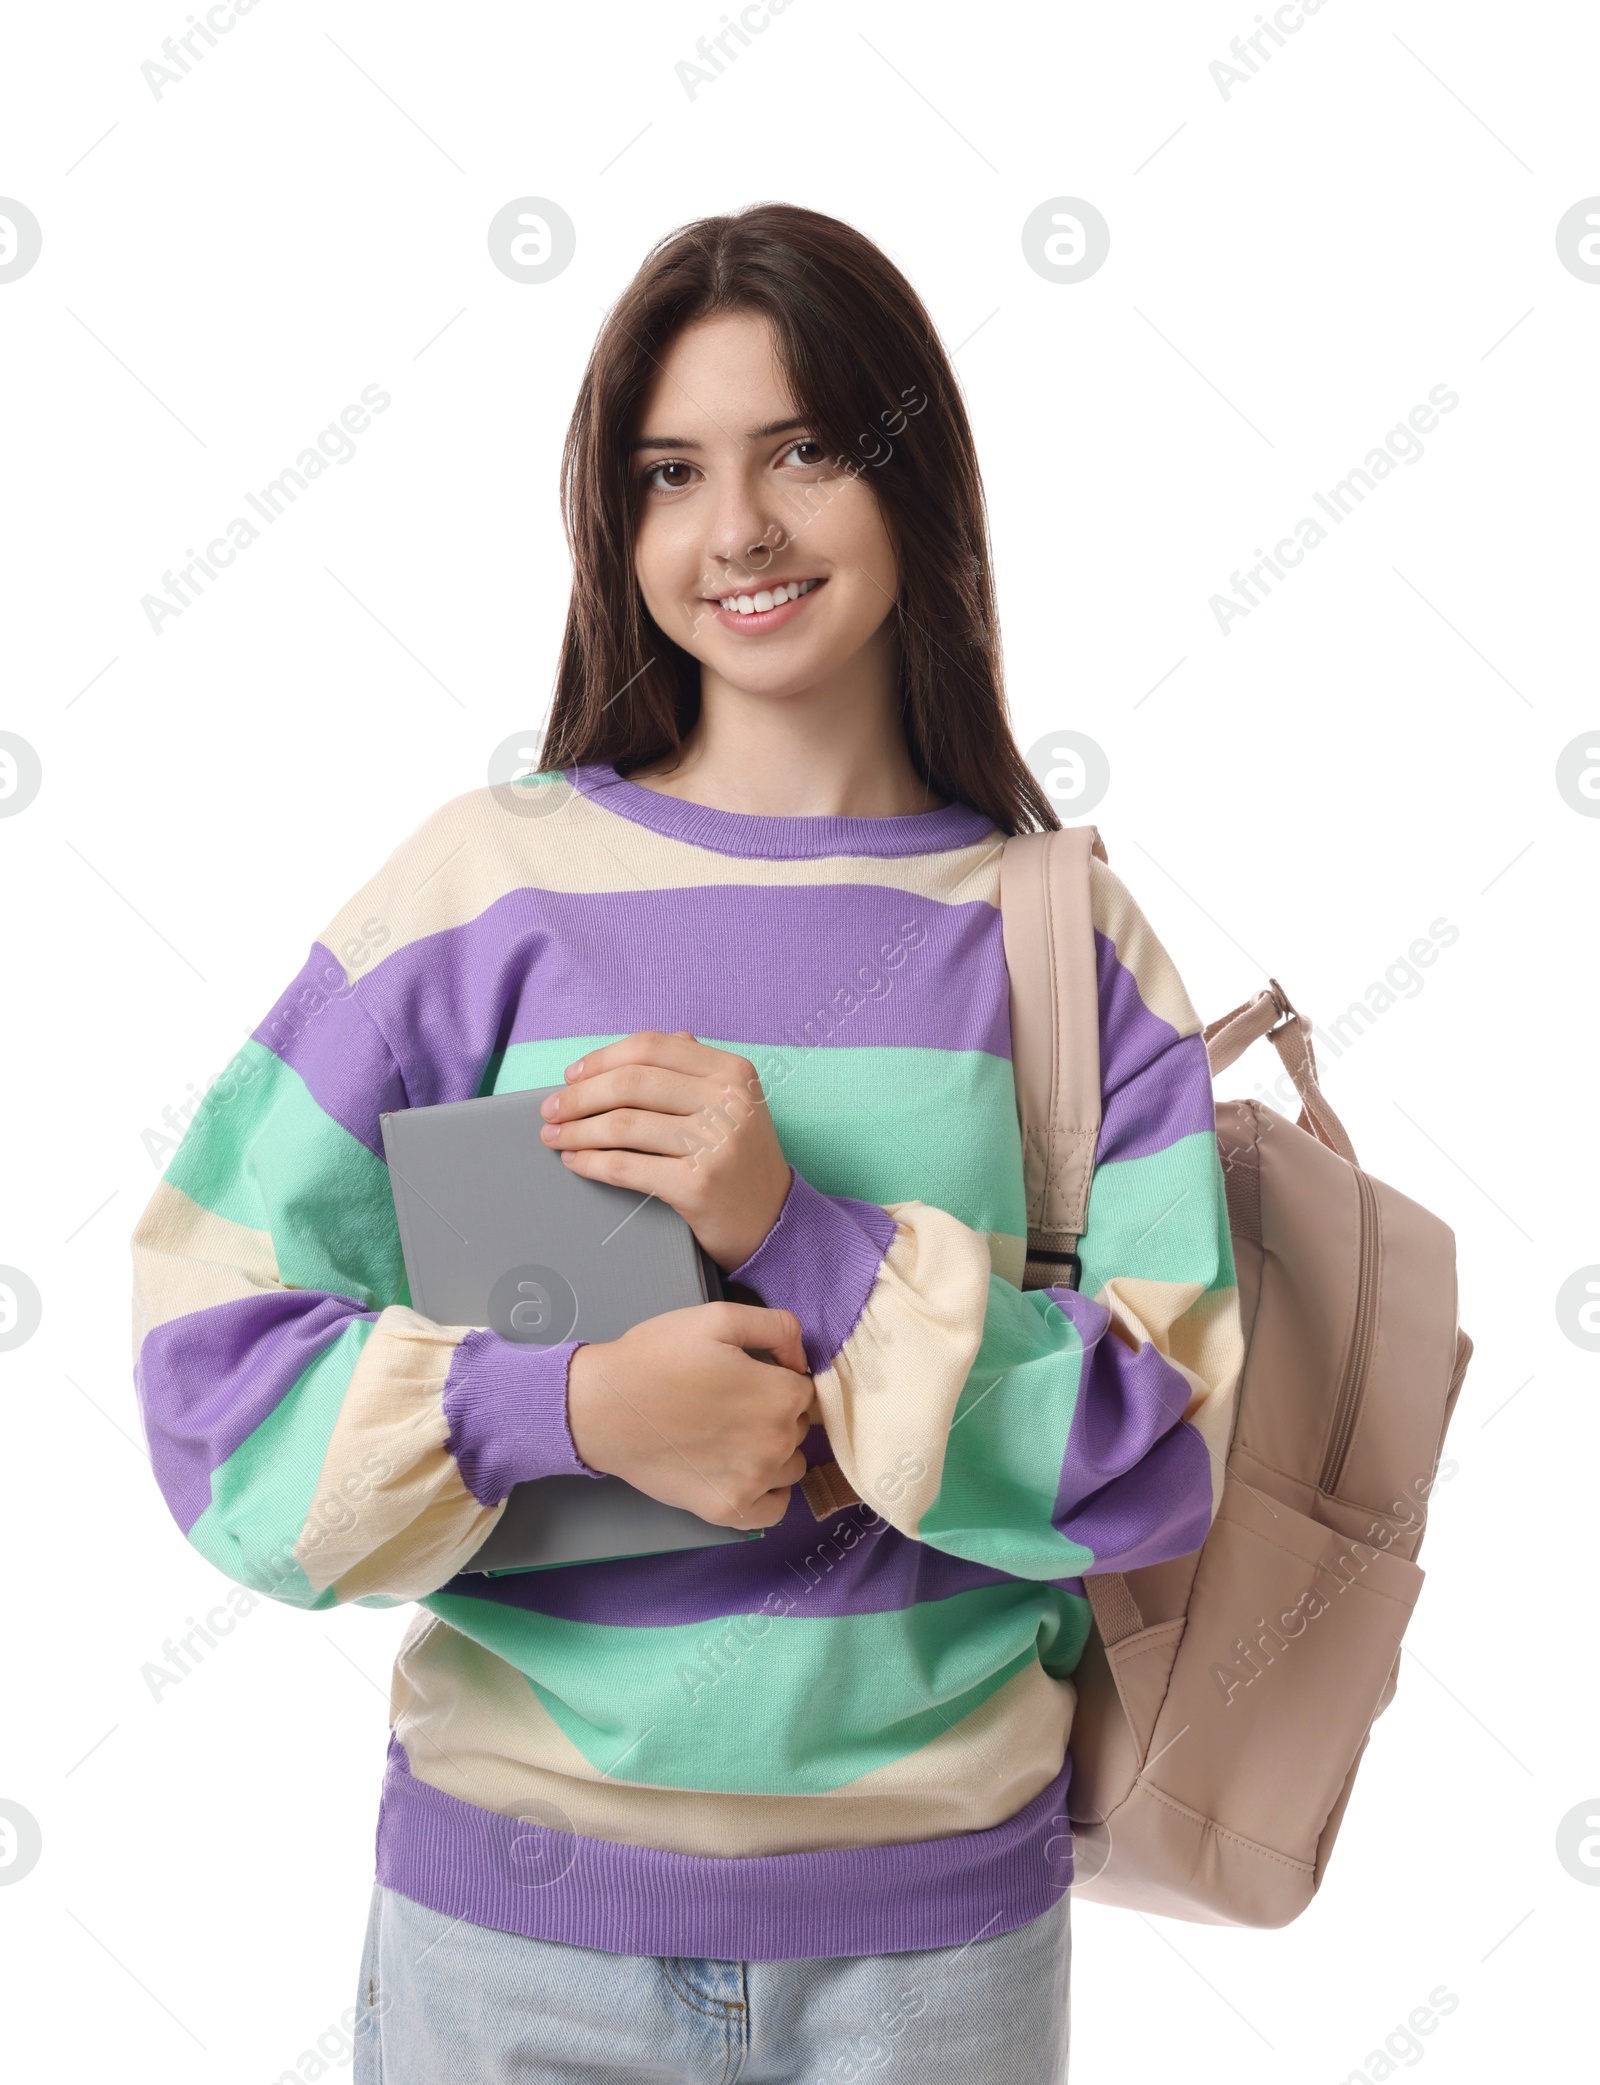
(506, 1404)
(519, 1875)
(780, 839)
(820, 1260)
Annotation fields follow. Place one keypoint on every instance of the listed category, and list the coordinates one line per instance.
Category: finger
(624, 1129)
(793, 1367)
(785, 1348)
(677, 1052)
(754, 1325)
(789, 1353)
(665, 1092)
(645, 1175)
(767, 1510)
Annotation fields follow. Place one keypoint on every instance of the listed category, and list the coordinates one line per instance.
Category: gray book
(497, 1232)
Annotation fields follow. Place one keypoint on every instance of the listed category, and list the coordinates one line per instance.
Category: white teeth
(774, 597)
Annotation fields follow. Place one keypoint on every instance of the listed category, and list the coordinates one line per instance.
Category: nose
(744, 536)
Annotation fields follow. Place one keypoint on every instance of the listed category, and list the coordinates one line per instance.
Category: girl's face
(735, 501)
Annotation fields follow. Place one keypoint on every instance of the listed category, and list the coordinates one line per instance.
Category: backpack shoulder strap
(1048, 926)
(1048, 930)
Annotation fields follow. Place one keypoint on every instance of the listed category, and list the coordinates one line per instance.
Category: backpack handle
(1230, 1034)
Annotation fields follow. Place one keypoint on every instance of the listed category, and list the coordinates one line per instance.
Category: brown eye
(672, 485)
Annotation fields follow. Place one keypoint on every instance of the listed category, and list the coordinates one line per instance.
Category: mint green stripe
(269, 1158)
(209, 1165)
(264, 1494)
(1008, 1441)
(1064, 1632)
(1160, 1218)
(803, 1706)
(883, 1124)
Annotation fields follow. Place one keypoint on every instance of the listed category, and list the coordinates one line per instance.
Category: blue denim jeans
(443, 2002)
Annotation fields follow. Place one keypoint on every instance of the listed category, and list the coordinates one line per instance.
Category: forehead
(718, 380)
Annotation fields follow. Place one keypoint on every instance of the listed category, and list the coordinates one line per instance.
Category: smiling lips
(767, 608)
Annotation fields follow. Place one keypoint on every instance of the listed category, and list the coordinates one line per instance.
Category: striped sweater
(843, 1738)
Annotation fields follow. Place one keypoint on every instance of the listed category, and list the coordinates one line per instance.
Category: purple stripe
(1157, 1086)
(842, 964)
(320, 1031)
(1135, 1483)
(782, 839)
(507, 1410)
(820, 1260)
(525, 1875)
(207, 1380)
(852, 1563)
(793, 965)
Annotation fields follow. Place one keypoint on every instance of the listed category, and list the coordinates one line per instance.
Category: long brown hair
(867, 369)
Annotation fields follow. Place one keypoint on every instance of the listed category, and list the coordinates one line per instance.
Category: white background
(1291, 269)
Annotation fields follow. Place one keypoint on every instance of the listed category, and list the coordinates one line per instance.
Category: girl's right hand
(679, 1410)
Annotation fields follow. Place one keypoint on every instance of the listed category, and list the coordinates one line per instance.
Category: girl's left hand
(669, 1116)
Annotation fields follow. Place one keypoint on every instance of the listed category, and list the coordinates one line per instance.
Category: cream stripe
(1138, 950)
(412, 1522)
(473, 850)
(473, 1727)
(1205, 1342)
(1008, 1256)
(185, 1259)
(390, 1512)
(889, 1396)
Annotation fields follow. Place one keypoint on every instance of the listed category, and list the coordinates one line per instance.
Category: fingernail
(550, 1106)
(575, 1071)
(567, 1157)
(550, 1132)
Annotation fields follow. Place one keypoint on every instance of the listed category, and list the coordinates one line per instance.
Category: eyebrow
(678, 441)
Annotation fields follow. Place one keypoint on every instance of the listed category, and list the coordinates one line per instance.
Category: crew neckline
(804, 837)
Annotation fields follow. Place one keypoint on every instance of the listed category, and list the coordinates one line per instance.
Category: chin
(775, 686)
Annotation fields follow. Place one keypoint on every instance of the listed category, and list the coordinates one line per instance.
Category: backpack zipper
(1348, 1402)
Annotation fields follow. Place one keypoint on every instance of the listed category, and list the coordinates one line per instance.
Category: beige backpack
(1225, 1699)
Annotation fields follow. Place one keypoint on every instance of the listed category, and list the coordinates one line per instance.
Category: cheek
(858, 540)
(650, 560)
(863, 558)
(667, 566)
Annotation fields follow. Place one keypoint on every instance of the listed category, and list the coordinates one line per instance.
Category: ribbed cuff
(820, 1260)
(506, 1407)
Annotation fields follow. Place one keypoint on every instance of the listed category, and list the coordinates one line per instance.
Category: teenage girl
(793, 1807)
